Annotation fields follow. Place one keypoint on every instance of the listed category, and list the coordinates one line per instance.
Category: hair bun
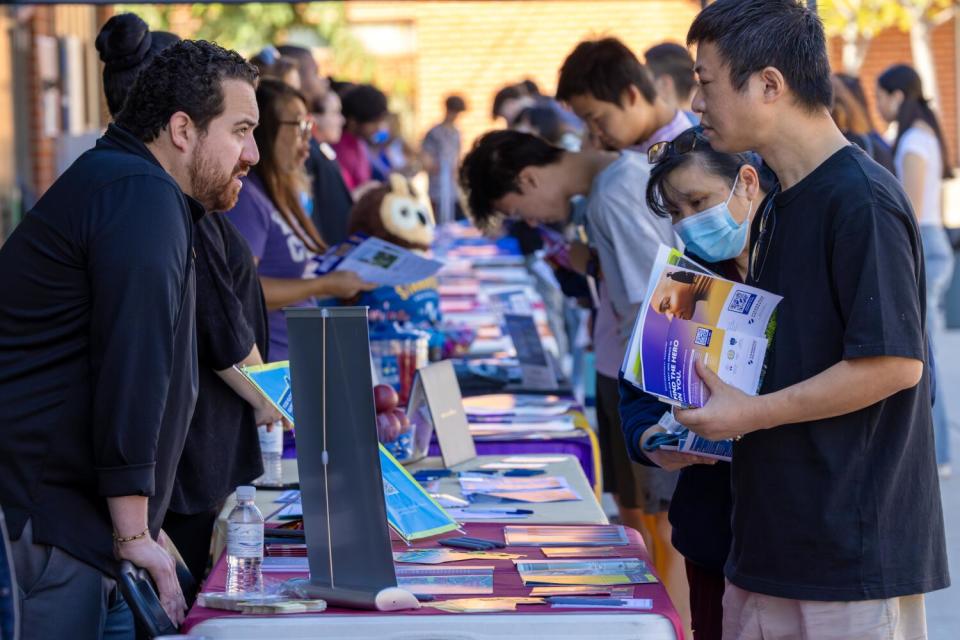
(124, 41)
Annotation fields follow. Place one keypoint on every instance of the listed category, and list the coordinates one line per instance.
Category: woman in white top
(922, 163)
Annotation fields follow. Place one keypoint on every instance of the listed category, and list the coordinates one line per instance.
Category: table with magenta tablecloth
(662, 621)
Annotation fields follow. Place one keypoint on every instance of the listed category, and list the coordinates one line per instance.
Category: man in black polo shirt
(98, 364)
(837, 523)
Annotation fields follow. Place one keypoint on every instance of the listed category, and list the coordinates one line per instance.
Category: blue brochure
(273, 382)
(410, 510)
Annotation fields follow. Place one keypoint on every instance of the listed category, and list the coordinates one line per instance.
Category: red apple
(388, 427)
(385, 398)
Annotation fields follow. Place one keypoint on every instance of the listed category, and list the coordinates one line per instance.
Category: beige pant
(754, 616)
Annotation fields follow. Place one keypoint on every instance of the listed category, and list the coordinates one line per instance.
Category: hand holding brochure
(691, 314)
(377, 261)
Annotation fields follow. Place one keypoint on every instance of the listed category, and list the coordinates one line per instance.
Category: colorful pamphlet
(433, 580)
(691, 314)
(411, 511)
(273, 382)
(583, 590)
(483, 488)
(440, 556)
(605, 571)
(575, 602)
(599, 535)
(482, 605)
(579, 552)
(377, 261)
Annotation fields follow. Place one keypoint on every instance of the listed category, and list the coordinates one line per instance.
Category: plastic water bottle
(271, 448)
(245, 544)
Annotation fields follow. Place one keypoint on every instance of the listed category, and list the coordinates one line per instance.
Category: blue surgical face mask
(713, 234)
(380, 136)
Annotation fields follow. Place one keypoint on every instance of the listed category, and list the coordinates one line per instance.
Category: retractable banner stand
(344, 514)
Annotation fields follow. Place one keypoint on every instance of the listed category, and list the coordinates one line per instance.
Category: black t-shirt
(222, 449)
(847, 508)
(331, 197)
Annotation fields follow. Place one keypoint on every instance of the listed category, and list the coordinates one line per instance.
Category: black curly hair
(187, 76)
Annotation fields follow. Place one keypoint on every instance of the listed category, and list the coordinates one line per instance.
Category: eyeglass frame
(305, 126)
(764, 237)
(684, 143)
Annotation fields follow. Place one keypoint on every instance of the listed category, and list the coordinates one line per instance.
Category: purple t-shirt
(280, 252)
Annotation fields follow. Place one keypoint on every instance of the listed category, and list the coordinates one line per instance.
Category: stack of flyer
(691, 314)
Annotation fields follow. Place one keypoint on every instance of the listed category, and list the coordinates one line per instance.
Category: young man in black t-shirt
(837, 523)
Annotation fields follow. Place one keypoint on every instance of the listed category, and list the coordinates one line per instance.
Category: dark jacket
(331, 197)
(98, 363)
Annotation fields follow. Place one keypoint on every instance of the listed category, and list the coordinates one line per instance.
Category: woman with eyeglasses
(272, 214)
(922, 163)
(712, 198)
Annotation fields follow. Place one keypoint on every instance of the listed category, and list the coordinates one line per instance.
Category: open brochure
(377, 261)
(691, 314)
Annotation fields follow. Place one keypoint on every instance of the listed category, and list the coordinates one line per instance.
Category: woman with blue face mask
(711, 198)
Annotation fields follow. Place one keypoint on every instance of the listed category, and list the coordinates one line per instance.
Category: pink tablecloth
(506, 582)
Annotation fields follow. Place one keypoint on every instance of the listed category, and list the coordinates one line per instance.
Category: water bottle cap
(246, 493)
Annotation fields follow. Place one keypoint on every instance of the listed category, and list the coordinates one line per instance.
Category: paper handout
(690, 314)
(410, 510)
(602, 535)
(273, 382)
(606, 571)
(434, 580)
(377, 261)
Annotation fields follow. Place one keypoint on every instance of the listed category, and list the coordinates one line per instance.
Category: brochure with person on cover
(692, 314)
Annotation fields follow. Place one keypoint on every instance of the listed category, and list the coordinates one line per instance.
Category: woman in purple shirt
(271, 216)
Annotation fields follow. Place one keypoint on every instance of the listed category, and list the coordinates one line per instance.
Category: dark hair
(455, 104)
(902, 77)
(603, 69)
(492, 169)
(674, 60)
(364, 103)
(853, 85)
(126, 45)
(283, 187)
(545, 121)
(509, 92)
(187, 76)
(302, 56)
(530, 87)
(725, 165)
(753, 34)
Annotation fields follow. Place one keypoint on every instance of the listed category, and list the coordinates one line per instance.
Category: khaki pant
(754, 616)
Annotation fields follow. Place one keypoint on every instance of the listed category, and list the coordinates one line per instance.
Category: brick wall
(474, 48)
(893, 46)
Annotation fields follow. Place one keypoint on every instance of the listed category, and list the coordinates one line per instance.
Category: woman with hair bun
(125, 44)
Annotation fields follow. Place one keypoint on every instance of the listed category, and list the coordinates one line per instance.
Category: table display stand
(344, 514)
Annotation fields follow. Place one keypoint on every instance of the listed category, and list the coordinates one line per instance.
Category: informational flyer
(377, 261)
(690, 314)
(273, 382)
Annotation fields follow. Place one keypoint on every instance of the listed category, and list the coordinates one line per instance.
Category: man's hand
(728, 413)
(150, 555)
(670, 460)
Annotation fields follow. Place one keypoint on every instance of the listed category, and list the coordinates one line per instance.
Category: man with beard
(98, 368)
